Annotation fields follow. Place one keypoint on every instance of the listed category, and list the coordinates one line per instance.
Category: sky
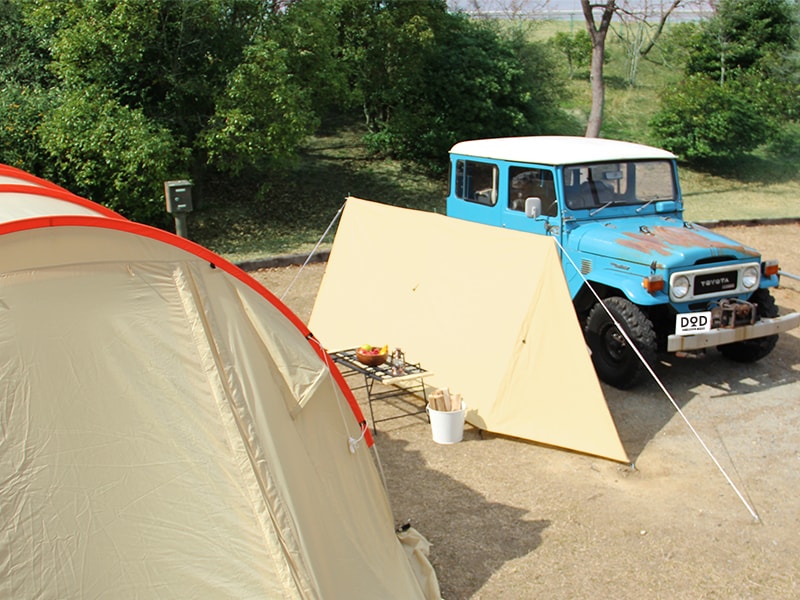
(690, 9)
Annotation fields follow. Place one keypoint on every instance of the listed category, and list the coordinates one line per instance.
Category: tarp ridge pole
(630, 342)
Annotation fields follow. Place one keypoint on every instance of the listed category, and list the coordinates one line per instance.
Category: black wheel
(614, 360)
(748, 351)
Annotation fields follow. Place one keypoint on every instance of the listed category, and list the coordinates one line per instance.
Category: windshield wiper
(649, 202)
(598, 209)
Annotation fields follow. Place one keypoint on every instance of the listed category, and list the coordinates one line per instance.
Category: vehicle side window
(476, 182)
(525, 182)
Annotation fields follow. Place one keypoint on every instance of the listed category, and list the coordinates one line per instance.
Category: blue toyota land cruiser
(616, 212)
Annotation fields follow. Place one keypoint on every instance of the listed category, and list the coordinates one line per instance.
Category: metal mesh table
(409, 382)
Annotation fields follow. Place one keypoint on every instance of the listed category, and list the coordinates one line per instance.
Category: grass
(709, 197)
(289, 214)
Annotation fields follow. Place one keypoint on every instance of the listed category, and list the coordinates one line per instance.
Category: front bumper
(718, 337)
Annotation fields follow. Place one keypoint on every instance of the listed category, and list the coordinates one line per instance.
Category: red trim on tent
(10, 171)
(59, 194)
(120, 224)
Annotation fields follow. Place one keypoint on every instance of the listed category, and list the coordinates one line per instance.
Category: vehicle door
(523, 182)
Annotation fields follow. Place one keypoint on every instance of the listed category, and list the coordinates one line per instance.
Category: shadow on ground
(471, 537)
(642, 412)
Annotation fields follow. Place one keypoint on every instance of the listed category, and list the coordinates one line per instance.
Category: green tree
(261, 116)
(427, 78)
(744, 35)
(177, 89)
(576, 48)
(112, 97)
(741, 88)
(24, 95)
(106, 151)
(702, 119)
(309, 32)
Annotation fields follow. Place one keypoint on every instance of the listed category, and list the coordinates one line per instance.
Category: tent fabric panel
(119, 482)
(306, 492)
(28, 200)
(231, 382)
(13, 175)
(552, 353)
(302, 457)
(302, 369)
(16, 206)
(485, 309)
(44, 247)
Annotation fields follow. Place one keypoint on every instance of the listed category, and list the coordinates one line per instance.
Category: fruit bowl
(372, 356)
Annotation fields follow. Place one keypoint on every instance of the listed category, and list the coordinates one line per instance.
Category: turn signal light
(770, 268)
(653, 284)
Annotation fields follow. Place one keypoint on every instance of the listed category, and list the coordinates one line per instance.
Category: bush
(102, 150)
(701, 119)
(21, 110)
(577, 50)
(785, 144)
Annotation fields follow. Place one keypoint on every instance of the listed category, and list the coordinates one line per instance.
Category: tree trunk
(597, 31)
(595, 121)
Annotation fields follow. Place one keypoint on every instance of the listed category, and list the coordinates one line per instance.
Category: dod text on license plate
(690, 323)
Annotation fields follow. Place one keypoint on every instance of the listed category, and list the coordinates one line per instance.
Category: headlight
(750, 278)
(680, 286)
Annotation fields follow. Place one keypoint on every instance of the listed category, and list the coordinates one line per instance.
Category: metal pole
(180, 225)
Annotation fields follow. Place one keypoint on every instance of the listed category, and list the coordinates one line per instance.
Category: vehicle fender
(611, 280)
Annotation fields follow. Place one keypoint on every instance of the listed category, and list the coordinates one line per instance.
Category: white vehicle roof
(557, 150)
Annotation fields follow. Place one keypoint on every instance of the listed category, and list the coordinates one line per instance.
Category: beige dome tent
(169, 428)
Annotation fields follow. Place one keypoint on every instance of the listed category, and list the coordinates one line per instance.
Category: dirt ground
(513, 519)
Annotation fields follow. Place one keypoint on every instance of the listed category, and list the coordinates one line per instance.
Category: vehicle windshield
(597, 186)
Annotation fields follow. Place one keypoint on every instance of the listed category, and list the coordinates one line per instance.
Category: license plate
(693, 323)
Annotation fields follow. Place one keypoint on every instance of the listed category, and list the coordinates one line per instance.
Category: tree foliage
(739, 92)
(129, 87)
(111, 98)
(576, 48)
(702, 119)
(743, 36)
(427, 78)
(261, 114)
(87, 143)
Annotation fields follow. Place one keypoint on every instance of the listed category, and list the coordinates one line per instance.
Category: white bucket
(447, 426)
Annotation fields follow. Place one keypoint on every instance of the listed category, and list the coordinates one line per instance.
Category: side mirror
(533, 208)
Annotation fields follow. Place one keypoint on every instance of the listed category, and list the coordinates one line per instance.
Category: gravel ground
(513, 519)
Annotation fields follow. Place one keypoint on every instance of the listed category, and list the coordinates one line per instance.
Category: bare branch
(660, 27)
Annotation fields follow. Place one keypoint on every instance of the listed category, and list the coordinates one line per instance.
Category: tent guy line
(313, 250)
(661, 385)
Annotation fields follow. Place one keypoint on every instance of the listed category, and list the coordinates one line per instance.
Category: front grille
(711, 283)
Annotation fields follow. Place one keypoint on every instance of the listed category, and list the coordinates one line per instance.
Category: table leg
(368, 383)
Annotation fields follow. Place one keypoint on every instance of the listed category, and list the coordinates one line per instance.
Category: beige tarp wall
(166, 431)
(486, 309)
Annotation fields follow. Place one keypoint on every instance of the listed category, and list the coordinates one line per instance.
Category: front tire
(749, 351)
(614, 360)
